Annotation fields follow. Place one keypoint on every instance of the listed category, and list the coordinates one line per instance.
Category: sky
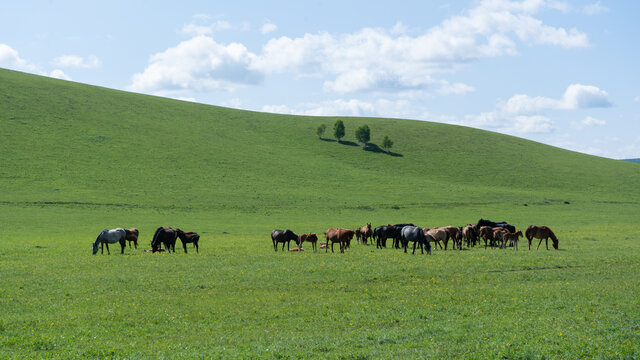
(563, 73)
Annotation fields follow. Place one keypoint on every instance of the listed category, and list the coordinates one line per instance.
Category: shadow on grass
(369, 147)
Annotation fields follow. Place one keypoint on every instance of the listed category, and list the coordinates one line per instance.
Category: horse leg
(195, 243)
(135, 243)
(539, 244)
(102, 248)
(109, 253)
(414, 248)
(184, 246)
(123, 244)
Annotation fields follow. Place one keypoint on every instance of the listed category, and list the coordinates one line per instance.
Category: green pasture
(75, 159)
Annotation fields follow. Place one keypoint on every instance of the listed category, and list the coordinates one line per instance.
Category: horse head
(95, 248)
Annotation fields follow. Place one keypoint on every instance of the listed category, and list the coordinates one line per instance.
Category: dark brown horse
(283, 236)
(339, 235)
(542, 233)
(358, 235)
(511, 237)
(311, 237)
(165, 236)
(470, 235)
(188, 237)
(132, 235)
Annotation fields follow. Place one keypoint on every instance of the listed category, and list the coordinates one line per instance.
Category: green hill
(68, 143)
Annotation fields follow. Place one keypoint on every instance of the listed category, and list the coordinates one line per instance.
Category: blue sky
(559, 72)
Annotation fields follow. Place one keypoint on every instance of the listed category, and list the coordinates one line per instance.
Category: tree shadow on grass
(376, 149)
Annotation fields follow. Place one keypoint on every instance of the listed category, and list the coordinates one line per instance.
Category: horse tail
(554, 239)
(527, 233)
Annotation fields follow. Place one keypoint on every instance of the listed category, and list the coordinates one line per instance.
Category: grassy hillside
(68, 143)
(77, 159)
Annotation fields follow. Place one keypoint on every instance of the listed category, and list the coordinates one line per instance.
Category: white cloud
(198, 64)
(341, 107)
(76, 61)
(268, 28)
(595, 8)
(10, 59)
(59, 74)
(587, 122)
(524, 114)
(374, 59)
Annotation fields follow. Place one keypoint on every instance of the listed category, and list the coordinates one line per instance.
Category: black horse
(188, 237)
(417, 236)
(283, 236)
(397, 234)
(382, 233)
(502, 224)
(165, 236)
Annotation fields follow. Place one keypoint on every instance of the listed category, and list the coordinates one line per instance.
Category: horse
(366, 233)
(487, 234)
(397, 235)
(358, 235)
(132, 235)
(436, 235)
(502, 224)
(283, 236)
(417, 236)
(506, 236)
(453, 233)
(469, 234)
(381, 234)
(542, 233)
(339, 235)
(107, 237)
(165, 236)
(311, 237)
(188, 237)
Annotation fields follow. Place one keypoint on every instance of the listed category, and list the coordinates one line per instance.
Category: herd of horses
(164, 236)
(493, 234)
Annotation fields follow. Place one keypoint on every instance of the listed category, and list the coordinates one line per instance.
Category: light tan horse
(542, 233)
(367, 233)
(436, 235)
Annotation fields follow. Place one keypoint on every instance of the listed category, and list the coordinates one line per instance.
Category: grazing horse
(311, 237)
(542, 233)
(283, 236)
(339, 235)
(107, 237)
(436, 235)
(132, 235)
(165, 236)
(366, 233)
(188, 237)
(417, 236)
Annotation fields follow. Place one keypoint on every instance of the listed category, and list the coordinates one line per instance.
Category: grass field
(77, 159)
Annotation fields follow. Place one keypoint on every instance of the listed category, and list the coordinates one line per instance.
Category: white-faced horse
(110, 237)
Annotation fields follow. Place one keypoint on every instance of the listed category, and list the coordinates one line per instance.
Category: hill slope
(69, 143)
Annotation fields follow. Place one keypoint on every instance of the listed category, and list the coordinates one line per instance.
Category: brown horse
(470, 235)
(311, 237)
(339, 235)
(453, 233)
(511, 237)
(358, 235)
(132, 235)
(188, 237)
(542, 233)
(367, 233)
(487, 234)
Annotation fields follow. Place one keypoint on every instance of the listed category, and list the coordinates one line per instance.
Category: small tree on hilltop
(338, 130)
(387, 143)
(320, 130)
(363, 135)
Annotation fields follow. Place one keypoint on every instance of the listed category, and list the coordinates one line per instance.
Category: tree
(387, 143)
(363, 134)
(338, 130)
(320, 130)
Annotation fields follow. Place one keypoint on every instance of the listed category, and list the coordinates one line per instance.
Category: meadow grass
(78, 159)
